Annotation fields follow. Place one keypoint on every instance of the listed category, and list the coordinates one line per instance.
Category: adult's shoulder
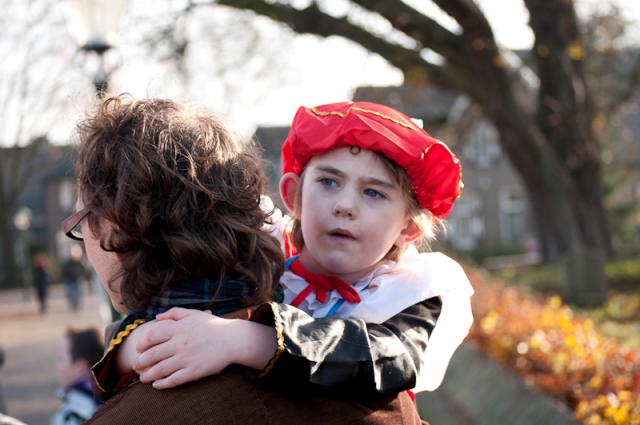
(233, 397)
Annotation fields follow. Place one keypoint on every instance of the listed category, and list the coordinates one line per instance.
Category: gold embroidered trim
(95, 381)
(280, 336)
(118, 339)
(324, 114)
(367, 111)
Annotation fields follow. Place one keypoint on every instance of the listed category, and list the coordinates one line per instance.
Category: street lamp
(22, 222)
(94, 24)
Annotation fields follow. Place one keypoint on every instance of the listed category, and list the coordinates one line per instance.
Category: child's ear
(289, 189)
(409, 234)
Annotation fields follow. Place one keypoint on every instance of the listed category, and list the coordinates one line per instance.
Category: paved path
(32, 344)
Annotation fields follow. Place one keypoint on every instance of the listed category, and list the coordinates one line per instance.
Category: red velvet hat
(433, 169)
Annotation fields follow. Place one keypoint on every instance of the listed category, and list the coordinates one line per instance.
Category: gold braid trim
(324, 114)
(366, 111)
(118, 339)
(278, 326)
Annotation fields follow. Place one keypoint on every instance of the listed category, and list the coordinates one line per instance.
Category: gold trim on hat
(367, 111)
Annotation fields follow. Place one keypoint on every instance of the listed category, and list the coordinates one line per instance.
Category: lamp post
(22, 222)
(94, 24)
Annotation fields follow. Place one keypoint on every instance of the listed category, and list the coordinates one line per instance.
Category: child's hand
(175, 350)
(187, 345)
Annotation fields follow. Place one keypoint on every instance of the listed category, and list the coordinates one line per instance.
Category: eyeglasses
(72, 226)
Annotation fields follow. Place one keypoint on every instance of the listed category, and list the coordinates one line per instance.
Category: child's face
(352, 212)
(69, 372)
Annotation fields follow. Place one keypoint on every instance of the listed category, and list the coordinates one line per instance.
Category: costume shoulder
(415, 278)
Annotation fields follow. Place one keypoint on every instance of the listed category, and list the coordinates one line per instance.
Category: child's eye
(374, 193)
(327, 182)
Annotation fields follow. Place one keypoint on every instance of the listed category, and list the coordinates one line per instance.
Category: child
(363, 183)
(81, 349)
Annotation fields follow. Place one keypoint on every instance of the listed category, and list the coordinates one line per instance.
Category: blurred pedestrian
(81, 350)
(108, 313)
(42, 279)
(74, 273)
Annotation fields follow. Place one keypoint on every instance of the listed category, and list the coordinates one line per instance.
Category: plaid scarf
(197, 294)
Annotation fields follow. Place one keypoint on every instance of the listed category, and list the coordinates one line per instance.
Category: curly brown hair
(182, 194)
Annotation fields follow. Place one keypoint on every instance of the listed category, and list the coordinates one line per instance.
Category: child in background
(81, 350)
(363, 183)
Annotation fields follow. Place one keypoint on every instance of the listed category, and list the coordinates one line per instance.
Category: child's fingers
(155, 333)
(152, 356)
(160, 370)
(180, 377)
(177, 313)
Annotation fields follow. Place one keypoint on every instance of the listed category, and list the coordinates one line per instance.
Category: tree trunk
(565, 115)
(10, 275)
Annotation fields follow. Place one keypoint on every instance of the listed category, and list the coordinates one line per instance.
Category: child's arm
(329, 352)
(351, 355)
(178, 347)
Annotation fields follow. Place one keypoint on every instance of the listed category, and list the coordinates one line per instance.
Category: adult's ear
(288, 190)
(409, 234)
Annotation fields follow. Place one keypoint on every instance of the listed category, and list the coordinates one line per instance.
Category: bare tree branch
(312, 20)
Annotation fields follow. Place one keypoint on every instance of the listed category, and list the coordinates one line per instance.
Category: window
(482, 147)
(512, 215)
(467, 224)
